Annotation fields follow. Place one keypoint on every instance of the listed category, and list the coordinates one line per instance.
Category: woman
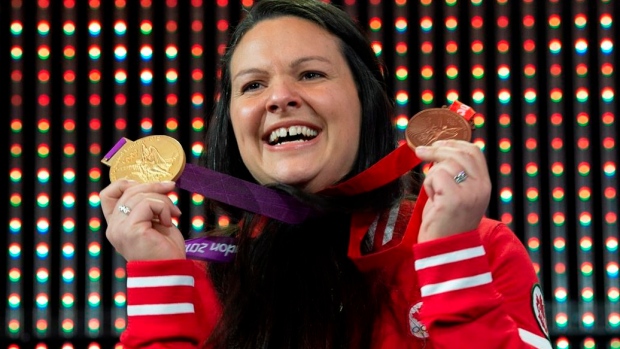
(303, 108)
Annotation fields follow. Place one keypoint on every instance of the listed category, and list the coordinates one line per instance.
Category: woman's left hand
(453, 207)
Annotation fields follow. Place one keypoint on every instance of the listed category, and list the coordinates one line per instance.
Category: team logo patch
(417, 328)
(538, 307)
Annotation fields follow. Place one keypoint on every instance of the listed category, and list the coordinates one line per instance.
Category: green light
(556, 98)
(120, 28)
(94, 276)
(15, 251)
(44, 30)
(506, 196)
(94, 54)
(561, 296)
(16, 28)
(94, 201)
(42, 277)
(68, 227)
(588, 321)
(43, 202)
(16, 53)
(42, 302)
(585, 220)
(146, 28)
(43, 176)
(504, 146)
(14, 277)
(607, 97)
(402, 122)
(94, 251)
(119, 302)
(198, 199)
(14, 327)
(94, 28)
(94, 226)
(582, 97)
(16, 201)
(69, 176)
(94, 301)
(197, 224)
(478, 98)
(67, 302)
(504, 97)
(479, 122)
(68, 30)
(561, 322)
(14, 302)
(44, 54)
(587, 296)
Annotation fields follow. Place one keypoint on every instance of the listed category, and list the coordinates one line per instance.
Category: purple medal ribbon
(211, 248)
(243, 194)
(235, 192)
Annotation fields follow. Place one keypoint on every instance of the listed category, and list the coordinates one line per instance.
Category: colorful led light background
(82, 74)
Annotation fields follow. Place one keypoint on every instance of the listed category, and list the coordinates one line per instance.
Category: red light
(69, 100)
(44, 100)
(95, 124)
(120, 99)
(120, 124)
(94, 99)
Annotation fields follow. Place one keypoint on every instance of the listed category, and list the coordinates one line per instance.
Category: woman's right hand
(146, 232)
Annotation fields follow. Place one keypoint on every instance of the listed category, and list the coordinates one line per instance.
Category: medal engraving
(430, 125)
(148, 160)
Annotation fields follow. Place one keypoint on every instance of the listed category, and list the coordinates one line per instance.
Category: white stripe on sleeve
(534, 340)
(160, 281)
(456, 284)
(160, 309)
(449, 257)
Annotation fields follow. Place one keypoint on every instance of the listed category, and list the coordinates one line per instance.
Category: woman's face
(294, 105)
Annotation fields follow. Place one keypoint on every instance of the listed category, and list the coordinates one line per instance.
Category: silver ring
(124, 209)
(461, 177)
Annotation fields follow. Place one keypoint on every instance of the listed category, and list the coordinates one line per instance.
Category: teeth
(292, 131)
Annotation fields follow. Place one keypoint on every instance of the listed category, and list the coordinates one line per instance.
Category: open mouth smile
(291, 134)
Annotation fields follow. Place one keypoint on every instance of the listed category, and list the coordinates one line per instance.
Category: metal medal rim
(443, 113)
(129, 145)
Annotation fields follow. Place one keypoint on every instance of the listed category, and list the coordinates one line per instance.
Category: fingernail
(168, 182)
(440, 143)
(421, 150)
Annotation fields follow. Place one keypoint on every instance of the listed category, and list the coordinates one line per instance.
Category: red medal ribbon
(390, 168)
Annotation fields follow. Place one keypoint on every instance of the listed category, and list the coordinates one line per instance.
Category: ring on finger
(124, 209)
(460, 177)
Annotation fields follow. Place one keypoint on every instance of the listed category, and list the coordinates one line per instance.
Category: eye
(250, 86)
(311, 75)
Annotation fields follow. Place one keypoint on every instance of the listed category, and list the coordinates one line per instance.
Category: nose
(283, 96)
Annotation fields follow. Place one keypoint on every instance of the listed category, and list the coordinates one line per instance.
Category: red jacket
(477, 289)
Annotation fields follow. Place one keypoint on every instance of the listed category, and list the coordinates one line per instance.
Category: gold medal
(148, 160)
(435, 124)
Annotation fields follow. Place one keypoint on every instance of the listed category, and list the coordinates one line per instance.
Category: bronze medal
(148, 160)
(434, 124)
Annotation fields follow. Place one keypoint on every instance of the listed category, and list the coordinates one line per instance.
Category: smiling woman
(303, 108)
(290, 73)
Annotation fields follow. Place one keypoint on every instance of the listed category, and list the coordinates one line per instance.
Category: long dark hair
(293, 286)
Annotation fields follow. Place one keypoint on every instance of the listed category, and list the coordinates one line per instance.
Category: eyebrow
(294, 64)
